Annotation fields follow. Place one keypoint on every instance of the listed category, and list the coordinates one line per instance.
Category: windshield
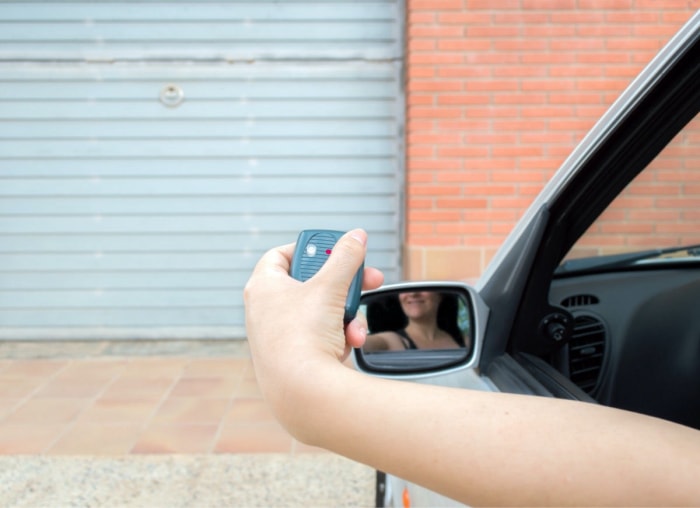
(655, 219)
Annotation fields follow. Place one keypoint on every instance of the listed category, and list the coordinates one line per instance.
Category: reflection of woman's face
(420, 304)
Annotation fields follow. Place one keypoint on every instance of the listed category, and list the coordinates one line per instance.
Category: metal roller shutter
(150, 152)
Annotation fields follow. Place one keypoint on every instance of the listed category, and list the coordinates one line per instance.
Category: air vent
(586, 352)
(579, 301)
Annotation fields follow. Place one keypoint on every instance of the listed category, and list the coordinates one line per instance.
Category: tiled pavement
(134, 398)
(154, 424)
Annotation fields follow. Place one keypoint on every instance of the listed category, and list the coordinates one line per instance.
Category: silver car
(551, 317)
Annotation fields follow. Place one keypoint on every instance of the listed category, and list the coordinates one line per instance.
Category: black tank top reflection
(407, 341)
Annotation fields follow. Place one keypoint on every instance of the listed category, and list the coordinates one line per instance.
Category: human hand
(290, 323)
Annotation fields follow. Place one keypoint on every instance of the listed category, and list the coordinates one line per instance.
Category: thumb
(347, 257)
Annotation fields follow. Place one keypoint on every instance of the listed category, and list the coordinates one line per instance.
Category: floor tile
(20, 388)
(124, 410)
(216, 367)
(94, 369)
(7, 405)
(73, 387)
(158, 368)
(24, 438)
(32, 369)
(136, 387)
(48, 410)
(252, 410)
(254, 438)
(184, 438)
(192, 410)
(97, 439)
(205, 387)
(248, 388)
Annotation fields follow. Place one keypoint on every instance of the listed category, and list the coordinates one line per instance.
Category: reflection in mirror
(417, 320)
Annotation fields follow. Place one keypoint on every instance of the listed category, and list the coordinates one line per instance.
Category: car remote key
(311, 252)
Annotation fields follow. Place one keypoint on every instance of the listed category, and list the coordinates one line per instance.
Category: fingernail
(359, 235)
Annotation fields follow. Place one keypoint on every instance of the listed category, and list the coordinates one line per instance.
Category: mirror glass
(417, 329)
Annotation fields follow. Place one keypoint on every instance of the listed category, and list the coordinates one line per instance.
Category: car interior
(634, 339)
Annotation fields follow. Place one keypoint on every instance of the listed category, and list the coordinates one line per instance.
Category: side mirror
(417, 327)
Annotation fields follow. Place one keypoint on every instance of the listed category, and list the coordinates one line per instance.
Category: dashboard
(636, 340)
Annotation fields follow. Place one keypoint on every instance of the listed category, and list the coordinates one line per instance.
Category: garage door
(150, 152)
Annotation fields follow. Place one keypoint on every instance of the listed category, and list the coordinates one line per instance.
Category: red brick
(463, 151)
(464, 44)
(520, 45)
(547, 111)
(415, 204)
(607, 30)
(433, 165)
(433, 5)
(414, 125)
(633, 17)
(464, 18)
(462, 99)
(469, 71)
(461, 203)
(419, 151)
(492, 85)
(434, 215)
(520, 71)
(421, 17)
(521, 98)
(519, 125)
(434, 58)
(491, 189)
(577, 18)
(557, 85)
(434, 139)
(548, 30)
(515, 203)
(419, 177)
(434, 32)
(420, 100)
(422, 45)
(679, 18)
(677, 228)
(420, 228)
(520, 17)
(633, 44)
(575, 71)
(549, 4)
(491, 31)
(462, 228)
(575, 98)
(434, 86)
(432, 190)
(605, 4)
(423, 112)
(490, 139)
(464, 125)
(507, 5)
(463, 176)
(654, 215)
(517, 151)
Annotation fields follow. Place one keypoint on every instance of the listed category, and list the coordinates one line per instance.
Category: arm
(478, 447)
(384, 341)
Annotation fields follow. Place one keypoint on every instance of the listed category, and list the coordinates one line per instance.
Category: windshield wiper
(615, 261)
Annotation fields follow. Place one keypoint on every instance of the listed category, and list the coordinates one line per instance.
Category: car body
(551, 318)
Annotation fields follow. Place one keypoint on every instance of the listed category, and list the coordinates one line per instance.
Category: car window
(659, 209)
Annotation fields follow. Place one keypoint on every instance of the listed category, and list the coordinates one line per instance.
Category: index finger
(277, 260)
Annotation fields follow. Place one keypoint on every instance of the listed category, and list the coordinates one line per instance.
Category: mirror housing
(417, 328)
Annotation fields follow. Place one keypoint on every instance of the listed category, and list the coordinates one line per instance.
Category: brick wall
(496, 98)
